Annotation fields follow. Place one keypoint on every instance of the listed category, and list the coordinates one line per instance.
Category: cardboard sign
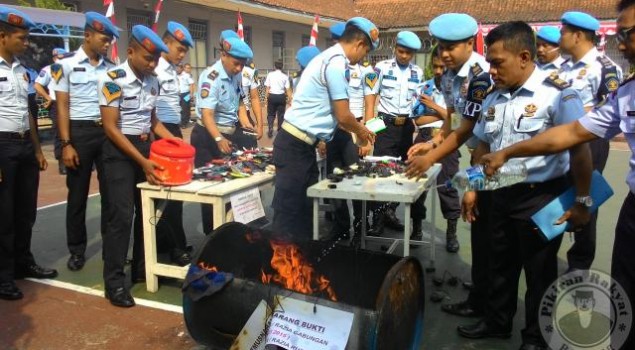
(299, 325)
(247, 206)
(254, 334)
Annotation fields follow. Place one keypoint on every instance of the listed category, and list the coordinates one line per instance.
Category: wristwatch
(218, 139)
(587, 201)
(65, 143)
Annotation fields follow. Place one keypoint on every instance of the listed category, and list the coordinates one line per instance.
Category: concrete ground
(55, 317)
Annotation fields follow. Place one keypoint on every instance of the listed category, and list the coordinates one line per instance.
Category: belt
(227, 130)
(86, 123)
(299, 134)
(142, 137)
(396, 120)
(524, 186)
(7, 135)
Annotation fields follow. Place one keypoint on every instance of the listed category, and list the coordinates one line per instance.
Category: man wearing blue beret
(74, 81)
(548, 58)
(465, 84)
(319, 107)
(178, 40)
(21, 159)
(127, 100)
(221, 110)
(395, 81)
(594, 76)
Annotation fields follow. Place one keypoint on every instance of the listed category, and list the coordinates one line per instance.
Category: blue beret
(306, 54)
(237, 48)
(226, 34)
(337, 30)
(367, 27)
(180, 33)
(58, 51)
(101, 23)
(549, 34)
(409, 40)
(581, 20)
(148, 39)
(15, 18)
(453, 27)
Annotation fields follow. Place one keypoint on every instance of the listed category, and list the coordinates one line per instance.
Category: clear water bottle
(475, 179)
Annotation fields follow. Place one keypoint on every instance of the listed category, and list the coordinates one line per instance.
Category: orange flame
(207, 267)
(295, 273)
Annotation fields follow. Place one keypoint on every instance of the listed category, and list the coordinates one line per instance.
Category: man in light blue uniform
(80, 128)
(221, 111)
(525, 103)
(395, 82)
(548, 57)
(320, 105)
(605, 121)
(465, 83)
(127, 100)
(21, 159)
(178, 40)
(594, 76)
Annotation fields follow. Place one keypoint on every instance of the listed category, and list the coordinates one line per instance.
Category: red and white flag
(314, 31)
(240, 31)
(157, 12)
(110, 13)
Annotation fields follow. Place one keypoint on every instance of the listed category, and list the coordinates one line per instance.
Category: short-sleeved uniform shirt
(396, 86)
(168, 100)
(277, 82)
(220, 92)
(358, 88)
(14, 88)
(428, 87)
(454, 84)
(44, 79)
(553, 66)
(249, 82)
(185, 80)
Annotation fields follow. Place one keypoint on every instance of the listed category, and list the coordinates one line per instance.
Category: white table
(395, 188)
(208, 192)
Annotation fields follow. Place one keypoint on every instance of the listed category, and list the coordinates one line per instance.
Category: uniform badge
(15, 20)
(478, 94)
(612, 84)
(212, 75)
(148, 45)
(582, 73)
(530, 110)
(178, 34)
(116, 74)
(206, 86)
(98, 26)
(374, 34)
(371, 79)
(56, 72)
(204, 93)
(226, 46)
(354, 75)
(491, 114)
(111, 91)
(42, 73)
(246, 74)
(252, 65)
(390, 72)
(366, 64)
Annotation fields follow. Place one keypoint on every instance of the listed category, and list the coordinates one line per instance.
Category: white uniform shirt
(397, 87)
(250, 81)
(168, 101)
(14, 89)
(185, 80)
(454, 84)
(44, 79)
(553, 66)
(277, 82)
(357, 88)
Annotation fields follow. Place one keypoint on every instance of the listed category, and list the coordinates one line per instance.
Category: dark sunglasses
(623, 34)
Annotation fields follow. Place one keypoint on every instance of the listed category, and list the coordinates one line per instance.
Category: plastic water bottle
(475, 179)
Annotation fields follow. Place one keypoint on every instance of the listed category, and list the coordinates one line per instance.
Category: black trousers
(341, 152)
(296, 170)
(448, 197)
(623, 261)
(88, 141)
(185, 109)
(170, 226)
(206, 150)
(122, 175)
(276, 105)
(582, 252)
(480, 240)
(395, 142)
(517, 244)
(19, 180)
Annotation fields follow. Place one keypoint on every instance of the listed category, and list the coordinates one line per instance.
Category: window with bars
(198, 54)
(306, 39)
(198, 29)
(278, 45)
(134, 17)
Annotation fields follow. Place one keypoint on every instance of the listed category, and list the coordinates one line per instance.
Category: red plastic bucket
(177, 159)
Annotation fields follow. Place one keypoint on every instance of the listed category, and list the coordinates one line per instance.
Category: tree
(45, 4)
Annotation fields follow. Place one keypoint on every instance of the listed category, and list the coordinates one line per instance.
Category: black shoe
(9, 291)
(481, 330)
(417, 232)
(533, 347)
(392, 221)
(182, 259)
(35, 271)
(120, 297)
(379, 221)
(452, 244)
(76, 262)
(463, 309)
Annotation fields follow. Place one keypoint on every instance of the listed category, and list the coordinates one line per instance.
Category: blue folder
(546, 217)
(186, 98)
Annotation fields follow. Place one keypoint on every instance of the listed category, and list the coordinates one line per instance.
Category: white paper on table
(247, 206)
(381, 158)
(437, 124)
(254, 333)
(295, 325)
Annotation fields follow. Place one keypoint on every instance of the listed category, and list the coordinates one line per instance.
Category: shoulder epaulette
(366, 64)
(555, 81)
(606, 63)
(68, 54)
(476, 69)
(56, 72)
(212, 75)
(116, 74)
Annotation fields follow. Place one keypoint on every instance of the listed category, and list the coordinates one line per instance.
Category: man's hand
(468, 207)
(419, 149)
(363, 151)
(149, 168)
(321, 147)
(492, 162)
(224, 146)
(70, 157)
(365, 136)
(428, 101)
(47, 103)
(417, 166)
(41, 160)
(578, 215)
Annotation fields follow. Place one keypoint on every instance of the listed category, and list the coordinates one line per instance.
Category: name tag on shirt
(4, 79)
(630, 113)
(79, 69)
(131, 102)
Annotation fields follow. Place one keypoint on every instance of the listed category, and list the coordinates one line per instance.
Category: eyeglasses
(623, 34)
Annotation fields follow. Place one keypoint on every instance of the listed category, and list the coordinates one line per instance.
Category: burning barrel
(384, 292)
